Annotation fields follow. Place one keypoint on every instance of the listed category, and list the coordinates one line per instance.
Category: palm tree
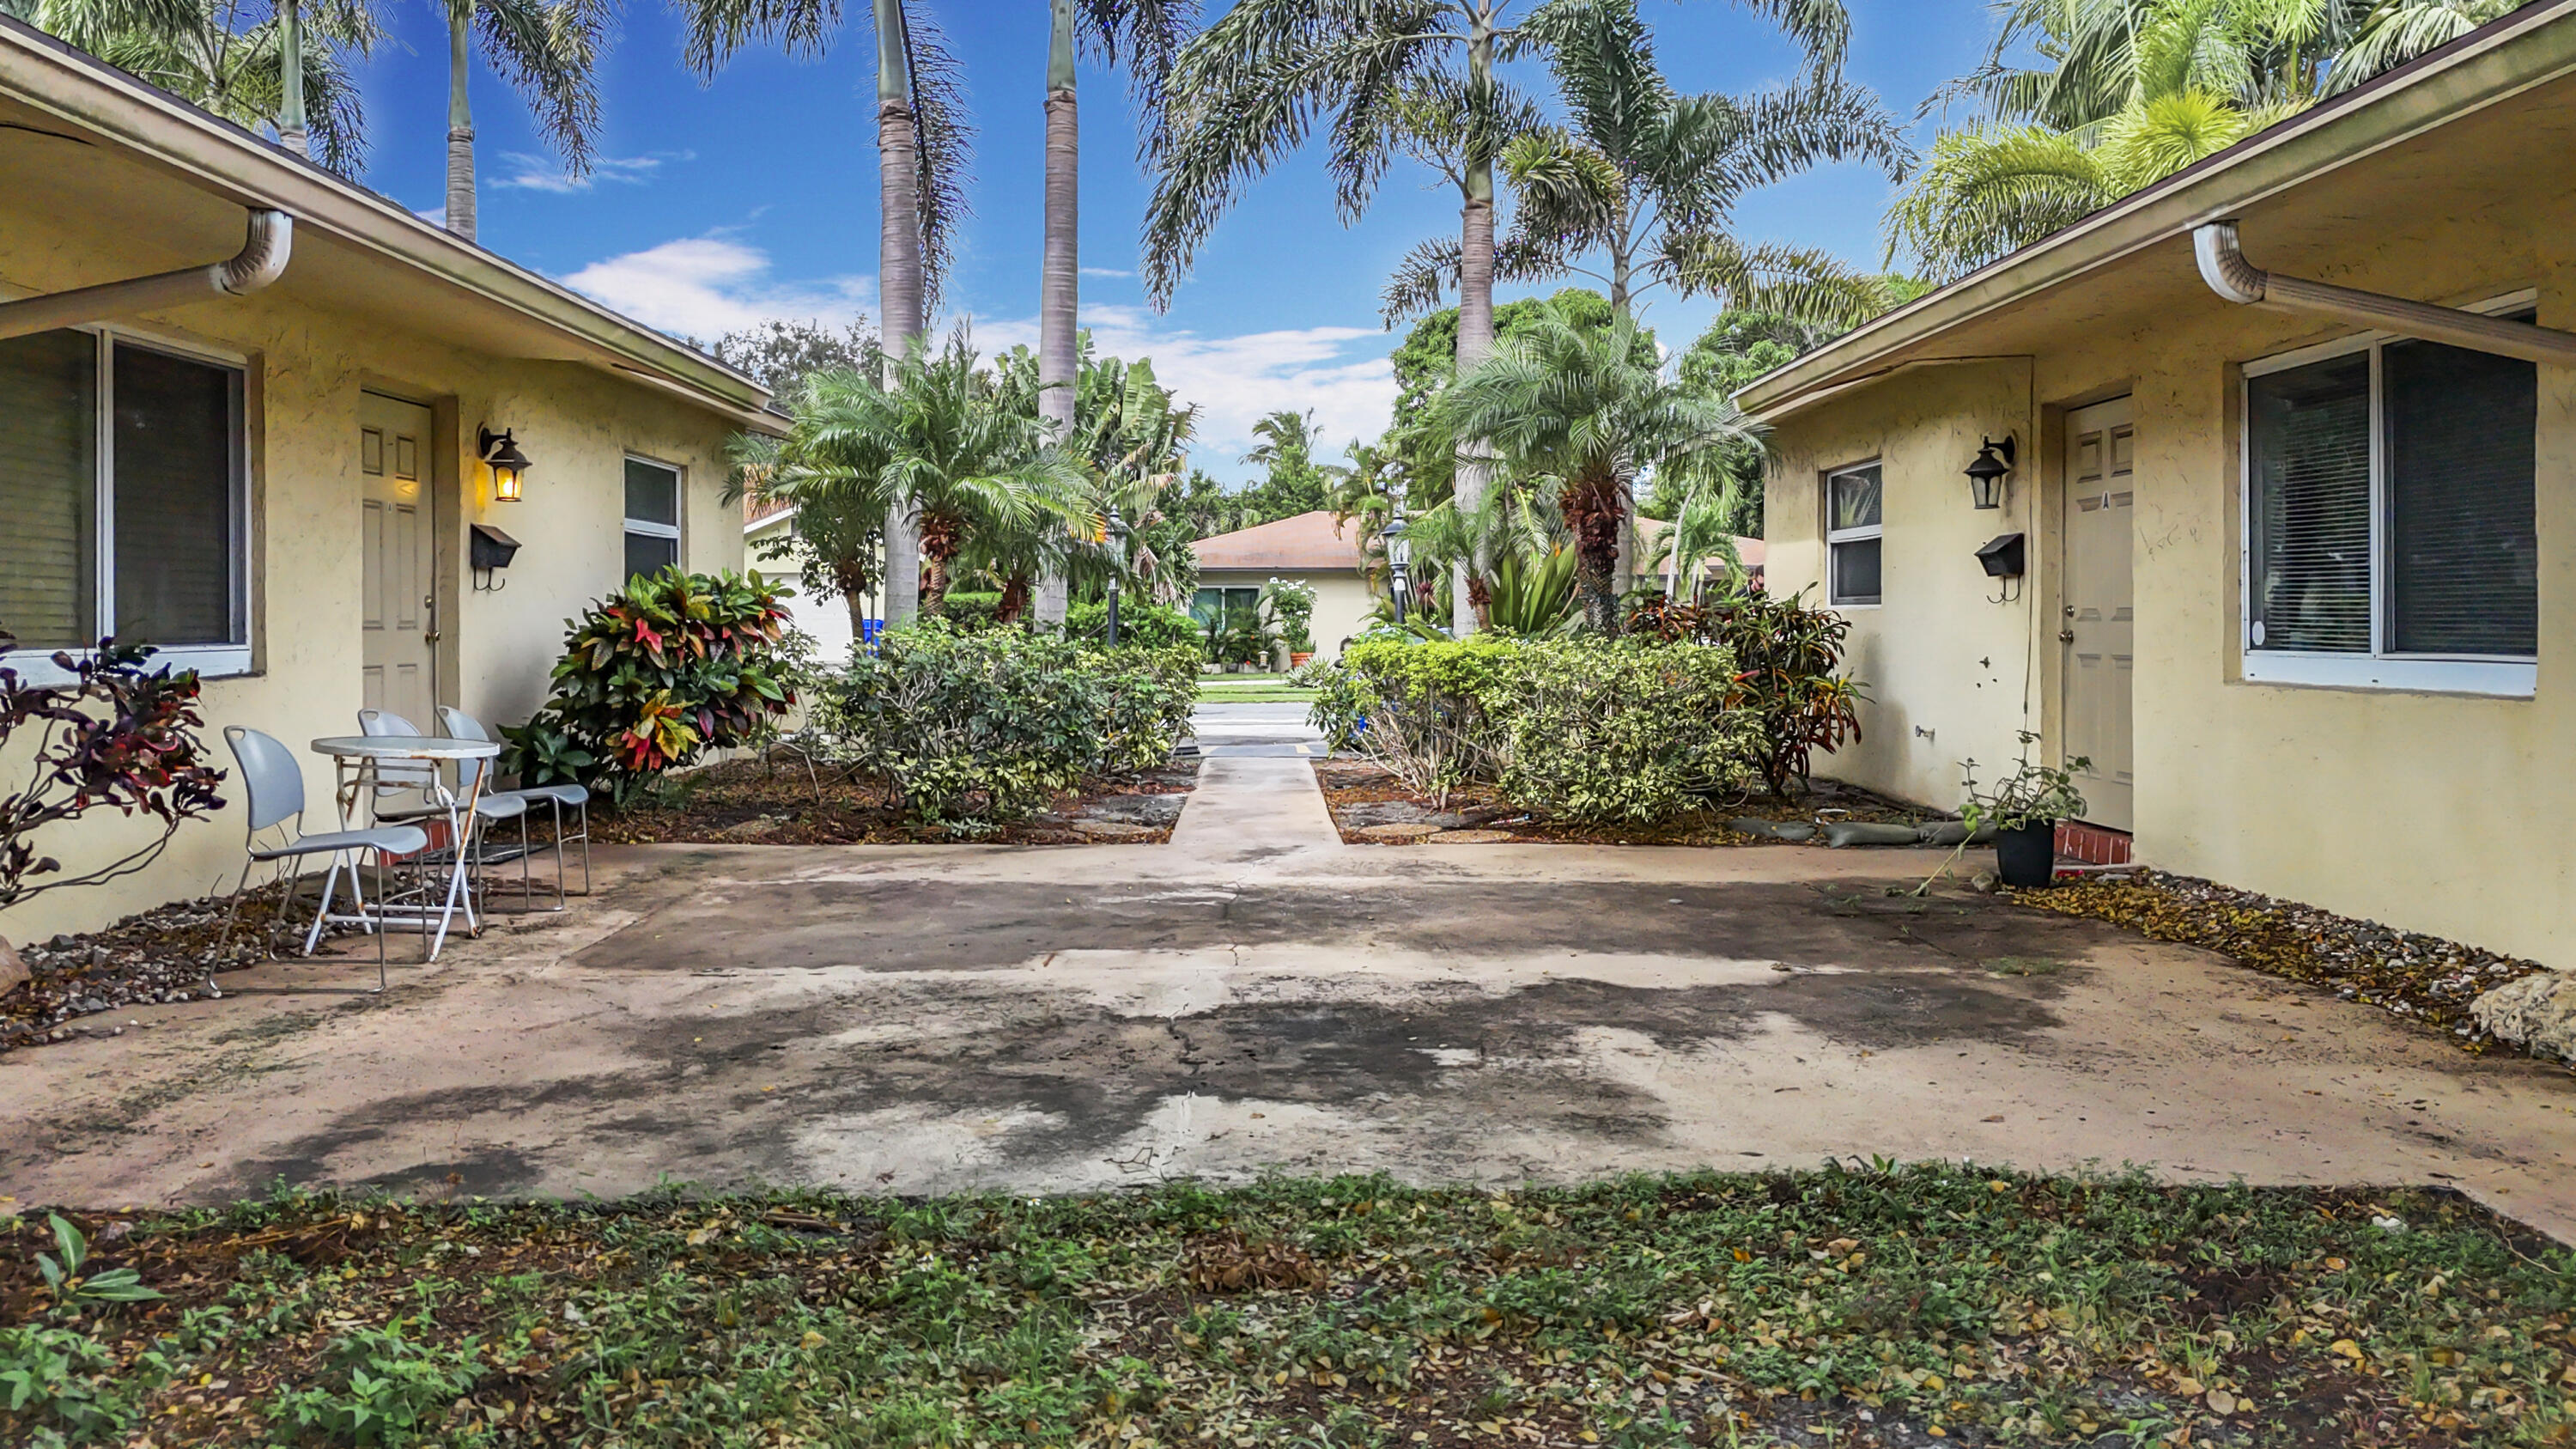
(1572, 405)
(2133, 91)
(941, 436)
(1129, 436)
(214, 54)
(1649, 178)
(549, 51)
(1150, 32)
(923, 147)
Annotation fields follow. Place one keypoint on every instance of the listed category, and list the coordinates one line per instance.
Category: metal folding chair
(395, 783)
(462, 726)
(274, 782)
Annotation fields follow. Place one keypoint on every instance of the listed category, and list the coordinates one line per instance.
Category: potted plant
(2024, 810)
(1292, 607)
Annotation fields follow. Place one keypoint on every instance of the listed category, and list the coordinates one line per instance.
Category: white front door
(2099, 631)
(401, 610)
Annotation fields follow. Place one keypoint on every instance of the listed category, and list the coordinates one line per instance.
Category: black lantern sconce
(500, 453)
(1986, 475)
(489, 551)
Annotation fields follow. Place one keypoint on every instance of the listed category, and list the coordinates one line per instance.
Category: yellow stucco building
(2296, 505)
(281, 486)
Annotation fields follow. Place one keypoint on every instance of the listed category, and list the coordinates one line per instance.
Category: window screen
(652, 517)
(1852, 532)
(2311, 526)
(175, 525)
(2463, 549)
(49, 489)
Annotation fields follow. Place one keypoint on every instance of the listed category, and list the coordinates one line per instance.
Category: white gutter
(261, 260)
(2223, 266)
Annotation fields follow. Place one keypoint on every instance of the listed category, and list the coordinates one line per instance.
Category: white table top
(405, 747)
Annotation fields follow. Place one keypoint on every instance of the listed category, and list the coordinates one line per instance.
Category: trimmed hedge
(969, 729)
(1583, 728)
(1140, 626)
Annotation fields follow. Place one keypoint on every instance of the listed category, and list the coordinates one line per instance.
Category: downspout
(261, 261)
(2223, 266)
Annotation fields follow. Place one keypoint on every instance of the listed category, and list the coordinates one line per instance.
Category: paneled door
(401, 608)
(2099, 632)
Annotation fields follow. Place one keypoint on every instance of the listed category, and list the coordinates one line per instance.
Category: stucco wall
(2440, 813)
(1342, 601)
(306, 371)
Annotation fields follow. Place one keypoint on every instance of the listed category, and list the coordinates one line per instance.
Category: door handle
(429, 609)
(2065, 636)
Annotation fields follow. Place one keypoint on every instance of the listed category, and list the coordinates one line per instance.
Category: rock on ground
(13, 971)
(2536, 1013)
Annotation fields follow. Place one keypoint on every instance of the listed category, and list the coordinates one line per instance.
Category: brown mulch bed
(163, 955)
(777, 802)
(2421, 978)
(1352, 786)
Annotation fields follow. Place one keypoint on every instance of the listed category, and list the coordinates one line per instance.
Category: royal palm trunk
(460, 120)
(1475, 321)
(1060, 269)
(899, 276)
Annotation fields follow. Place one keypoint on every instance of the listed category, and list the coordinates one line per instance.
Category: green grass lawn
(1907, 1306)
(1250, 689)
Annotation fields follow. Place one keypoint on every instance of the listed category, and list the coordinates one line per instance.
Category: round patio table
(359, 761)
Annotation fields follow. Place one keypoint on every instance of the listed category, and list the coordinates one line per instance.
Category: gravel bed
(151, 958)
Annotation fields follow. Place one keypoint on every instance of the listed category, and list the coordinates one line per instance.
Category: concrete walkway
(1276, 730)
(1255, 996)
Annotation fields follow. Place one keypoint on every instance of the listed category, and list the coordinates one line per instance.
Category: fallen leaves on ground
(2422, 978)
(1878, 1305)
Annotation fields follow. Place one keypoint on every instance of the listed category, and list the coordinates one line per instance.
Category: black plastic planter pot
(2028, 856)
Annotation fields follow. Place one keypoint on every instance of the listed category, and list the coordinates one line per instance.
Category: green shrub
(57, 1385)
(971, 613)
(1585, 729)
(971, 729)
(1624, 730)
(1140, 626)
(380, 1388)
(673, 666)
(1788, 659)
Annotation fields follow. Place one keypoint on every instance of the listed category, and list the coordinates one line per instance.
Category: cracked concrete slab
(1256, 997)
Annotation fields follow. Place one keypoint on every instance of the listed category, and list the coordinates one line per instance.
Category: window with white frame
(1852, 532)
(652, 516)
(2390, 534)
(123, 486)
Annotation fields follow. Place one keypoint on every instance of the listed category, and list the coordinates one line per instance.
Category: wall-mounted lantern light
(500, 452)
(1986, 474)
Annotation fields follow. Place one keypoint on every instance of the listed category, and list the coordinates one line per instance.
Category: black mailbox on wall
(2002, 556)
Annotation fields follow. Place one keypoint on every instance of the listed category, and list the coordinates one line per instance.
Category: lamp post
(1399, 551)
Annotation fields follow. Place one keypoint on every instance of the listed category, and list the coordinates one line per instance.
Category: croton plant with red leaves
(117, 735)
(675, 665)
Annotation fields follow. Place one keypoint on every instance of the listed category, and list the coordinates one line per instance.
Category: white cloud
(1340, 372)
(707, 286)
(521, 171)
(1107, 272)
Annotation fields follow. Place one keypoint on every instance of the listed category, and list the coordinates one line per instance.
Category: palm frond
(944, 135)
(548, 50)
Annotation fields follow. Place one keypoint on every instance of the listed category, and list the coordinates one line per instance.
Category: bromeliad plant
(675, 665)
(117, 735)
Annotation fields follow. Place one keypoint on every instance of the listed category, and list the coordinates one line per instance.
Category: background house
(2300, 584)
(828, 620)
(280, 487)
(1310, 548)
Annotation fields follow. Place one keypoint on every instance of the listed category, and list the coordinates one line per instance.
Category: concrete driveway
(1257, 996)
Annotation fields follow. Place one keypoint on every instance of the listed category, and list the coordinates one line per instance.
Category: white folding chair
(397, 782)
(275, 784)
(462, 726)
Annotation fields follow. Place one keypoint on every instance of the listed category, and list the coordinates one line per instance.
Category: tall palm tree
(549, 51)
(943, 437)
(1574, 406)
(923, 148)
(1150, 33)
(1410, 78)
(2132, 91)
(229, 59)
(1648, 178)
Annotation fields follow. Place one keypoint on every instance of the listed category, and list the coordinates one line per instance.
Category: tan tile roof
(1306, 543)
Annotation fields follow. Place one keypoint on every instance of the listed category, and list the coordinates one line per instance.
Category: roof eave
(2496, 62)
(229, 161)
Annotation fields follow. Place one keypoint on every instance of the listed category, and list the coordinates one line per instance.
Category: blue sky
(715, 205)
